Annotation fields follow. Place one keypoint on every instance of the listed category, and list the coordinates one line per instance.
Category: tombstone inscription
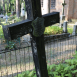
(35, 25)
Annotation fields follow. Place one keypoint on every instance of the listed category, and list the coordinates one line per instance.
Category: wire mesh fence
(13, 62)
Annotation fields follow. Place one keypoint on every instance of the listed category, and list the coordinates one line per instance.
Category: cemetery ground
(55, 50)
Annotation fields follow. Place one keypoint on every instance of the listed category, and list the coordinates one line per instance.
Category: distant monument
(62, 17)
(22, 11)
(63, 7)
(45, 7)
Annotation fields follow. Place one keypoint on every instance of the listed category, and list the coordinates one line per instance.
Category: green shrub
(67, 69)
(17, 19)
(8, 14)
(52, 30)
(11, 18)
(11, 45)
(69, 30)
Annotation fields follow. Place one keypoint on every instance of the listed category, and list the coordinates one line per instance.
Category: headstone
(45, 7)
(65, 27)
(22, 11)
(75, 29)
(62, 17)
(13, 21)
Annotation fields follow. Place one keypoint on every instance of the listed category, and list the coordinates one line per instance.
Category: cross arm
(19, 29)
(51, 18)
(16, 30)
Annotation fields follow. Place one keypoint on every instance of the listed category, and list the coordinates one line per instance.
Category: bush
(11, 18)
(17, 19)
(68, 69)
(52, 30)
(8, 14)
(69, 30)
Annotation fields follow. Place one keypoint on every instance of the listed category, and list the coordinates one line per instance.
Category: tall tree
(18, 8)
(3, 3)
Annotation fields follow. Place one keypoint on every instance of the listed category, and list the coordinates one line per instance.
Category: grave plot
(17, 61)
(36, 55)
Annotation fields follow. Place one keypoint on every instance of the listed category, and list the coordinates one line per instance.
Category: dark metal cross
(63, 6)
(35, 25)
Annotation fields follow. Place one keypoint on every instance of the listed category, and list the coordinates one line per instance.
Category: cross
(63, 6)
(35, 25)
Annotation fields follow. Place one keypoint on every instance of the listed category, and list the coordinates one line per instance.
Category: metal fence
(15, 61)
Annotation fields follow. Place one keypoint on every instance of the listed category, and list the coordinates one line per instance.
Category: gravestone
(22, 11)
(62, 17)
(65, 27)
(45, 7)
(63, 4)
(13, 21)
(75, 29)
(35, 25)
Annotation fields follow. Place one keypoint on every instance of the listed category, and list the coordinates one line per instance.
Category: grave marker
(22, 11)
(65, 27)
(63, 7)
(45, 7)
(62, 17)
(75, 29)
(35, 25)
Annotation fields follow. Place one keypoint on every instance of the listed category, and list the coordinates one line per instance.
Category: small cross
(64, 3)
(63, 6)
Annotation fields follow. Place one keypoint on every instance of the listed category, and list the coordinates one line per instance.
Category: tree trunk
(18, 8)
(3, 3)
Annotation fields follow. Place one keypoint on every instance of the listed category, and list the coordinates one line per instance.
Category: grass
(73, 21)
(68, 68)
(53, 30)
(70, 30)
(1, 31)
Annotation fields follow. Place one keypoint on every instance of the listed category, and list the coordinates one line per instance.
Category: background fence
(14, 61)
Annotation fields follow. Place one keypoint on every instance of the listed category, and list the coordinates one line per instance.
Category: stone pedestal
(65, 27)
(74, 30)
(22, 12)
(62, 18)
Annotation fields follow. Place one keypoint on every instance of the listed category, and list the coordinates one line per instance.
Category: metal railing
(13, 62)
